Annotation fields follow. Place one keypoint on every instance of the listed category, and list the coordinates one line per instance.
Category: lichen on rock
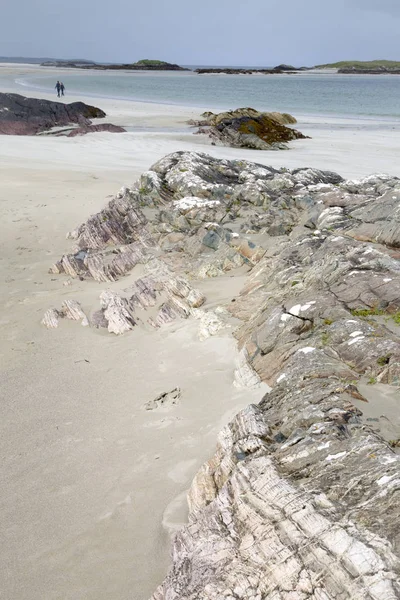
(249, 128)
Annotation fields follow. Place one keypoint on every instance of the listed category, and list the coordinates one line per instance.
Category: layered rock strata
(301, 499)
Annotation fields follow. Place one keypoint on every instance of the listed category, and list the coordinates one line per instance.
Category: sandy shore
(352, 147)
(91, 483)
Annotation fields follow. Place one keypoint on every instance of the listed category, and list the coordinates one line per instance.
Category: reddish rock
(95, 128)
(29, 116)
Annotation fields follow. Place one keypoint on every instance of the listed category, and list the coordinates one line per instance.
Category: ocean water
(374, 96)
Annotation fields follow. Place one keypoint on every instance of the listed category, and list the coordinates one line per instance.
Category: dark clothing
(58, 88)
(62, 89)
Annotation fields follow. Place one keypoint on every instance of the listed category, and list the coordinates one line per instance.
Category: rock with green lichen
(249, 128)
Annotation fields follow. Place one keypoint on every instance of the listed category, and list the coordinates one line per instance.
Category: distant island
(233, 71)
(348, 67)
(37, 61)
(375, 67)
(256, 71)
(141, 65)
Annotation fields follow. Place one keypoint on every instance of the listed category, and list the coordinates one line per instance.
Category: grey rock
(300, 499)
(212, 240)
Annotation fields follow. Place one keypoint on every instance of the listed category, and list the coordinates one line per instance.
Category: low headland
(370, 67)
(141, 65)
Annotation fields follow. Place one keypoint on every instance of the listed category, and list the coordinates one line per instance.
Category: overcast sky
(219, 32)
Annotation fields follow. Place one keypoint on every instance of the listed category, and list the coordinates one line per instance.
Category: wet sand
(381, 412)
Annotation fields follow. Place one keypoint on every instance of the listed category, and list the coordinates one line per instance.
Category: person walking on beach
(62, 87)
(58, 88)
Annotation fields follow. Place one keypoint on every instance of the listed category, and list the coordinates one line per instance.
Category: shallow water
(306, 93)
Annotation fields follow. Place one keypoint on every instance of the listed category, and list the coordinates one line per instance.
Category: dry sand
(87, 473)
(91, 483)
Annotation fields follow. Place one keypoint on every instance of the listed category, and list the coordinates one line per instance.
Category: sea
(306, 93)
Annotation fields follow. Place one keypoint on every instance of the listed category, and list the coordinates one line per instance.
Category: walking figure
(58, 88)
(62, 87)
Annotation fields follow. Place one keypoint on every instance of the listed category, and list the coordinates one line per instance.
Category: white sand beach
(91, 483)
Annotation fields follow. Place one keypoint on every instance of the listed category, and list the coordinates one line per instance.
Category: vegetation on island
(145, 62)
(140, 65)
(361, 64)
(155, 65)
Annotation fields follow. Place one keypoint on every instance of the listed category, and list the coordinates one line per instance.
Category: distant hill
(22, 59)
(360, 64)
(74, 64)
(81, 63)
(141, 65)
(38, 61)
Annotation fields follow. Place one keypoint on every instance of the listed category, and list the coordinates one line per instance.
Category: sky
(206, 32)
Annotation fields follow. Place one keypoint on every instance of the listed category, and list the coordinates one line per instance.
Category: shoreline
(335, 144)
(303, 117)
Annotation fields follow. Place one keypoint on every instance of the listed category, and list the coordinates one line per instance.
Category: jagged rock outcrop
(302, 497)
(249, 128)
(213, 119)
(29, 116)
(70, 309)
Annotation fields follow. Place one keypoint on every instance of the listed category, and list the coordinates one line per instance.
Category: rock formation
(280, 69)
(301, 499)
(376, 71)
(210, 118)
(284, 67)
(29, 116)
(249, 128)
(109, 127)
(233, 71)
